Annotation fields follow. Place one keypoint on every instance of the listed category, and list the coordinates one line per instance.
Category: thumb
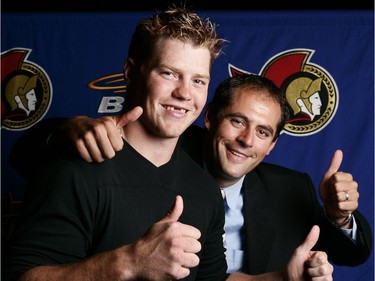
(334, 166)
(176, 211)
(129, 116)
(310, 239)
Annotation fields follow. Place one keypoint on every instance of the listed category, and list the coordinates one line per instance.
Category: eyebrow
(177, 70)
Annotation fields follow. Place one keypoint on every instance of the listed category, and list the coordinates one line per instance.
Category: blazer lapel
(259, 229)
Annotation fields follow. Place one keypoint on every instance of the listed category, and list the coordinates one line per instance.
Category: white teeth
(237, 154)
(171, 108)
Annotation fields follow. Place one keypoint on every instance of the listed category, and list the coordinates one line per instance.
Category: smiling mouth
(172, 108)
(236, 153)
(241, 155)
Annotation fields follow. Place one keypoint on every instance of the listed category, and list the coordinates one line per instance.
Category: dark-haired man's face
(242, 136)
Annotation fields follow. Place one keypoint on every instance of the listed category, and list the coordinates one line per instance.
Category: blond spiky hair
(174, 23)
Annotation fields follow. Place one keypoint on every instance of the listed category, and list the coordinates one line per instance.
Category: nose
(182, 91)
(246, 137)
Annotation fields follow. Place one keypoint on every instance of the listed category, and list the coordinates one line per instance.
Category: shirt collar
(232, 193)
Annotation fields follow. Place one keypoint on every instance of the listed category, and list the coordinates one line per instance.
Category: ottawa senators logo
(311, 92)
(26, 91)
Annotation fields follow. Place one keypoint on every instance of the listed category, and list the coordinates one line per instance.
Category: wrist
(343, 223)
(346, 222)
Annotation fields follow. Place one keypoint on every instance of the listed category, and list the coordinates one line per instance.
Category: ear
(271, 146)
(129, 65)
(207, 122)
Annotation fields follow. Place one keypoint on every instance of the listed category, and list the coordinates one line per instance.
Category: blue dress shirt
(234, 223)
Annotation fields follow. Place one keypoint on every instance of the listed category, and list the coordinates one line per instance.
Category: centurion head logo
(311, 92)
(26, 91)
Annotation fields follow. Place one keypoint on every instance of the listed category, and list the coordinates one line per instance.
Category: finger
(334, 166)
(115, 143)
(318, 266)
(190, 244)
(317, 258)
(98, 145)
(176, 211)
(323, 272)
(83, 152)
(180, 274)
(190, 260)
(310, 239)
(129, 116)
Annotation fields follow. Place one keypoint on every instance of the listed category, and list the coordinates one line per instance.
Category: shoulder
(69, 169)
(281, 184)
(265, 168)
(271, 174)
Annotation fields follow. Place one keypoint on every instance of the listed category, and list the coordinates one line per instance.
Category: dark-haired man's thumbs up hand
(339, 191)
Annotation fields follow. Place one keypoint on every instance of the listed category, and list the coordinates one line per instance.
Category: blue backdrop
(77, 58)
